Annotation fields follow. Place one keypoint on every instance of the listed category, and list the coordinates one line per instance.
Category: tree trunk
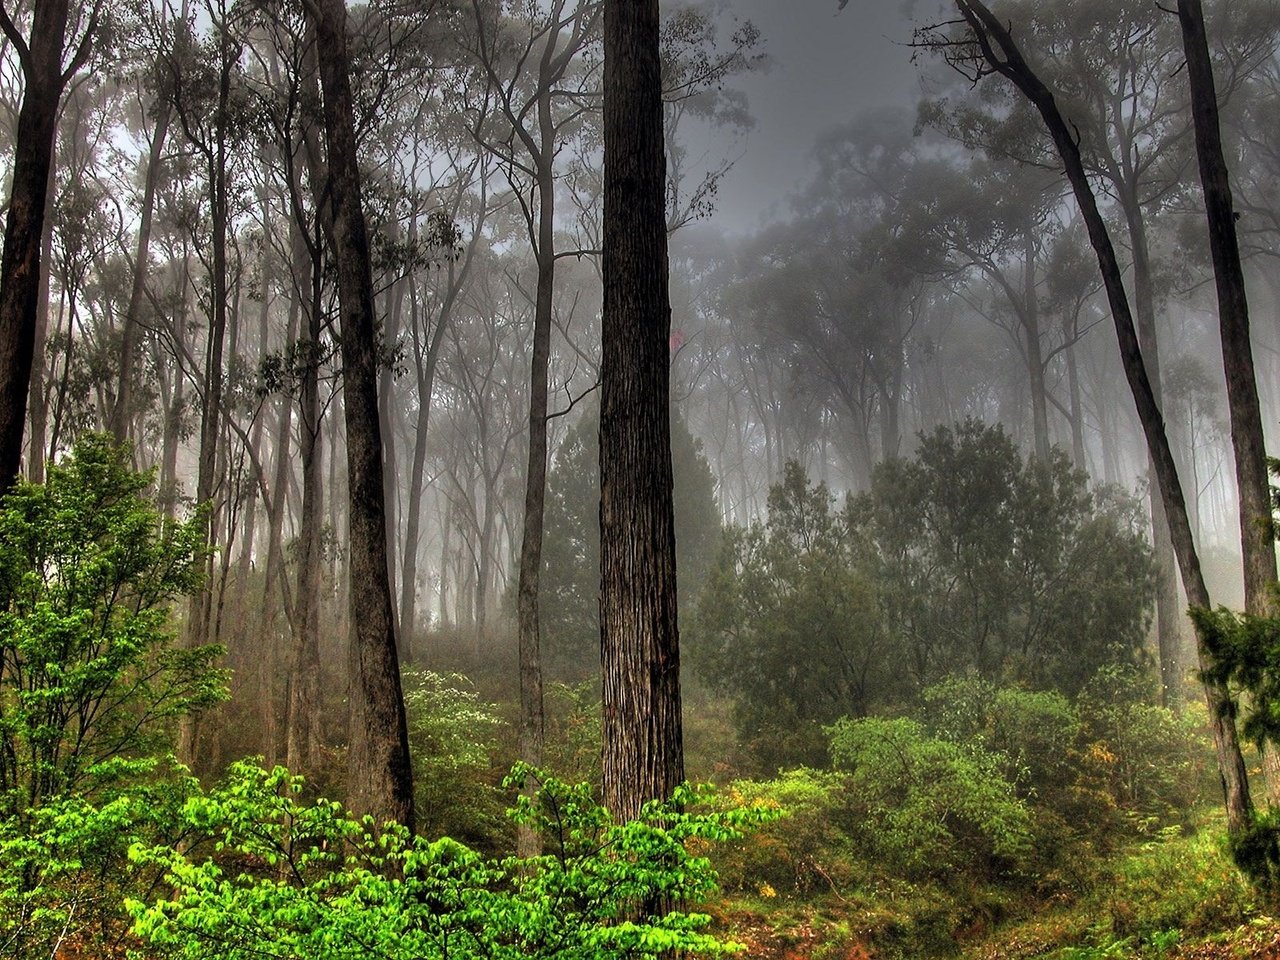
(122, 411)
(379, 776)
(1257, 533)
(1035, 355)
(427, 362)
(392, 311)
(1168, 616)
(200, 608)
(43, 76)
(302, 728)
(37, 447)
(275, 595)
(532, 719)
(639, 637)
(1009, 63)
(1257, 537)
(1077, 411)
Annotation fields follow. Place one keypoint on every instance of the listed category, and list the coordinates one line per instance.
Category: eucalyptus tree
(380, 777)
(155, 116)
(1257, 530)
(1115, 69)
(51, 52)
(639, 633)
(535, 66)
(198, 75)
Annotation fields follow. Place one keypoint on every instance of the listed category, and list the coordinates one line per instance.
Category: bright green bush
(88, 677)
(91, 691)
(65, 871)
(929, 807)
(279, 877)
(1033, 732)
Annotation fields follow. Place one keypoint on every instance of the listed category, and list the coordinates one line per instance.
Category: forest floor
(821, 938)
(1173, 897)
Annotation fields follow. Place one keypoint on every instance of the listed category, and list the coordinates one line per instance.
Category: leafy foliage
(88, 680)
(1005, 566)
(1246, 654)
(806, 849)
(65, 870)
(90, 688)
(307, 881)
(788, 625)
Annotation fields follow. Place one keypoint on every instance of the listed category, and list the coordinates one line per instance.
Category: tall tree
(639, 637)
(988, 48)
(380, 778)
(536, 117)
(1257, 537)
(45, 77)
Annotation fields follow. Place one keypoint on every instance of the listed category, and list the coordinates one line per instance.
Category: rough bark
(1002, 55)
(639, 638)
(379, 775)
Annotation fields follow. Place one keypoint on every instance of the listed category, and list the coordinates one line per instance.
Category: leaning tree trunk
(379, 775)
(639, 637)
(1168, 616)
(1008, 61)
(1257, 533)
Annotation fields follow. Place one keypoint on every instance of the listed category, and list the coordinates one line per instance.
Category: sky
(827, 67)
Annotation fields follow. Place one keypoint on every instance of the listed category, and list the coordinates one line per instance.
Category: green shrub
(1034, 732)
(573, 731)
(1151, 759)
(281, 878)
(453, 734)
(65, 871)
(928, 807)
(91, 690)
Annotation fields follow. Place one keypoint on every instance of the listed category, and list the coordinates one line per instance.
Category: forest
(452, 508)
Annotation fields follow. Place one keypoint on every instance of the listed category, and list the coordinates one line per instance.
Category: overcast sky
(827, 67)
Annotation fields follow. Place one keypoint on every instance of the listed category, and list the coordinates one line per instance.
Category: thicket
(967, 558)
(986, 803)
